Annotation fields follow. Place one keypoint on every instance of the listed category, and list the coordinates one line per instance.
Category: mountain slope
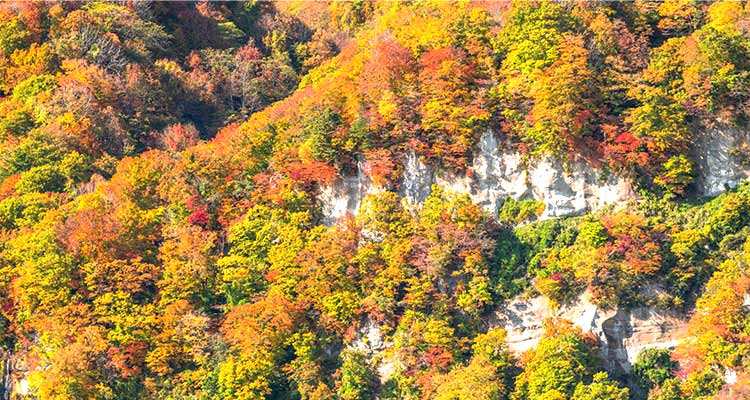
(344, 200)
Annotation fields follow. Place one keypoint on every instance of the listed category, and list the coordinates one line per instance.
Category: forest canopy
(162, 233)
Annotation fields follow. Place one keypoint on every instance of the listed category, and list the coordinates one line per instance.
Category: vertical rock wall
(345, 196)
(622, 334)
(722, 153)
(494, 175)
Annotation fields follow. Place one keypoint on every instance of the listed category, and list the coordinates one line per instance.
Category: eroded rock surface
(496, 175)
(369, 338)
(370, 341)
(722, 154)
(493, 176)
(345, 196)
(581, 190)
(15, 383)
(622, 334)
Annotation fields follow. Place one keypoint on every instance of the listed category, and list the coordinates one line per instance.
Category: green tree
(45, 178)
(357, 376)
(601, 388)
(13, 34)
(563, 359)
(321, 135)
(678, 174)
(653, 367)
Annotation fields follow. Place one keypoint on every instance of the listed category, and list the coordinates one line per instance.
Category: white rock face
(730, 376)
(493, 176)
(369, 338)
(370, 341)
(496, 175)
(15, 373)
(621, 334)
(718, 152)
(418, 179)
(345, 196)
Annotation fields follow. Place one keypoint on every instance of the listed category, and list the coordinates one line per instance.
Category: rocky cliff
(493, 175)
(622, 333)
(345, 196)
(721, 153)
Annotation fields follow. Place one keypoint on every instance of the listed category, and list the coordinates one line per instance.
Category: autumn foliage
(164, 168)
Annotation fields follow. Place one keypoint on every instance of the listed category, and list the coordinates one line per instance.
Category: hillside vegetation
(161, 229)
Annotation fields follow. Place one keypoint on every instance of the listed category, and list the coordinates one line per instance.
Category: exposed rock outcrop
(722, 153)
(369, 338)
(345, 196)
(496, 175)
(370, 341)
(622, 334)
(493, 176)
